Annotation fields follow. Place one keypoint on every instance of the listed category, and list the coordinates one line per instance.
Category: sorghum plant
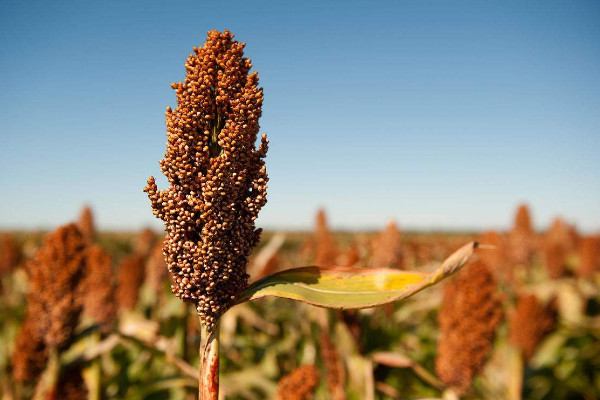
(529, 322)
(217, 185)
(54, 305)
(217, 177)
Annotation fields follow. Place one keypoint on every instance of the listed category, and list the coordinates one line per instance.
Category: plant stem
(95, 370)
(208, 388)
(515, 387)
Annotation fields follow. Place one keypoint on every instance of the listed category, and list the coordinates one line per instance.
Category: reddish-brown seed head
(217, 176)
(10, 253)
(55, 274)
(156, 269)
(523, 219)
(530, 322)
(86, 224)
(589, 256)
(130, 279)
(144, 242)
(387, 247)
(522, 240)
(470, 312)
(97, 289)
(30, 353)
(300, 384)
(326, 252)
(334, 367)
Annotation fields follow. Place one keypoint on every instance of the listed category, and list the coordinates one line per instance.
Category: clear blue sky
(439, 114)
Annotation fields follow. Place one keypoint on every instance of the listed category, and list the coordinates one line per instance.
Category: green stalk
(95, 370)
(515, 386)
(208, 386)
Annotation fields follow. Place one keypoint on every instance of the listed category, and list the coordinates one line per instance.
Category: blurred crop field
(148, 349)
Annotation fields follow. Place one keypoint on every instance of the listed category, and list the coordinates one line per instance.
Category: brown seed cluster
(218, 180)
(144, 242)
(562, 233)
(522, 237)
(86, 224)
(470, 312)
(30, 354)
(589, 256)
(55, 273)
(495, 259)
(97, 291)
(10, 254)
(555, 259)
(300, 384)
(530, 322)
(129, 280)
(326, 253)
(334, 367)
(560, 240)
(387, 248)
(156, 268)
(351, 256)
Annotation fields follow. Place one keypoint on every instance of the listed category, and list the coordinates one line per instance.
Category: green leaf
(348, 288)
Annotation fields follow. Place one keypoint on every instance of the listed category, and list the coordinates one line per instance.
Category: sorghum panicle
(10, 253)
(555, 259)
(470, 312)
(55, 274)
(129, 280)
(334, 367)
(560, 241)
(30, 353)
(530, 322)
(522, 237)
(351, 256)
(589, 256)
(564, 234)
(326, 253)
(86, 224)
(97, 290)
(217, 176)
(496, 260)
(300, 384)
(387, 247)
(156, 268)
(144, 242)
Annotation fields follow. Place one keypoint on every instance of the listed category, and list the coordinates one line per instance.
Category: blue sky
(438, 114)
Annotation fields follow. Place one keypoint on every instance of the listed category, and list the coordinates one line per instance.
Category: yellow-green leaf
(347, 287)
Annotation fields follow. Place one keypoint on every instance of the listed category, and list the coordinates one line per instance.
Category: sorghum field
(449, 112)
(91, 315)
